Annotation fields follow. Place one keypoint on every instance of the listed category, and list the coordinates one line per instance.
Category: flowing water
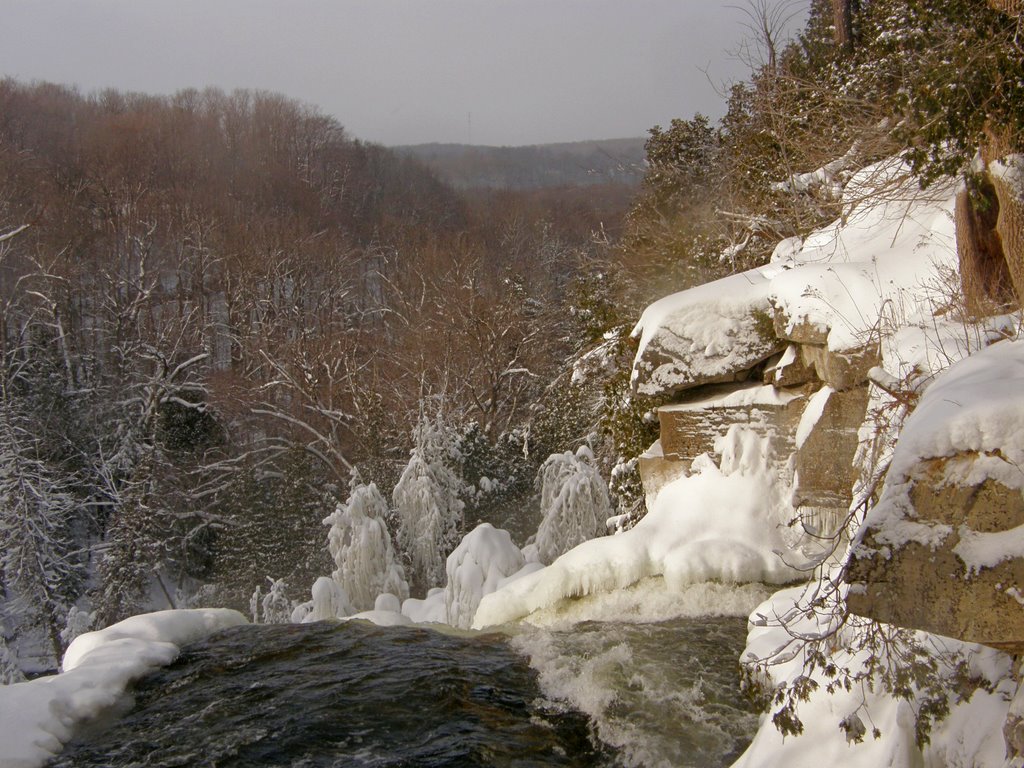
(352, 694)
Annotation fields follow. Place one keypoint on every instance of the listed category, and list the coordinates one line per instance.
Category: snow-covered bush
(573, 500)
(360, 543)
(272, 608)
(483, 558)
(428, 503)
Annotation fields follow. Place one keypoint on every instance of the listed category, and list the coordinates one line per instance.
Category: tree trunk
(1009, 7)
(842, 22)
(984, 274)
(1006, 173)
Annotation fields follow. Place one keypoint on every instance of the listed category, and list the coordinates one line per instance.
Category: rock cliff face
(714, 388)
(943, 548)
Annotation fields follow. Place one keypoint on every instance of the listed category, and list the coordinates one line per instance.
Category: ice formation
(482, 560)
(719, 524)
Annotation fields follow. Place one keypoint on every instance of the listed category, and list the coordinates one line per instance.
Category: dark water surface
(353, 694)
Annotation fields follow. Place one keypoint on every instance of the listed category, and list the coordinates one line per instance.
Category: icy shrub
(574, 503)
(360, 543)
(78, 622)
(476, 567)
(273, 607)
(428, 504)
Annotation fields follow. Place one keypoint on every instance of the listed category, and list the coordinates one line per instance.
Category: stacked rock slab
(825, 474)
(691, 428)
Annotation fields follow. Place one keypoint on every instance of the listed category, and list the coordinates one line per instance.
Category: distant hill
(582, 163)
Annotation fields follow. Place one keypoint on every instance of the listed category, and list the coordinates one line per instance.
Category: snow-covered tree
(428, 504)
(573, 500)
(10, 672)
(36, 509)
(360, 543)
(274, 607)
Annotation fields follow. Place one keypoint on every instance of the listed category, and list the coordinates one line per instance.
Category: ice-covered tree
(274, 607)
(428, 504)
(573, 500)
(360, 543)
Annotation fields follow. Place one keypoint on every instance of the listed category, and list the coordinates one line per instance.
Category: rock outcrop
(943, 549)
(720, 332)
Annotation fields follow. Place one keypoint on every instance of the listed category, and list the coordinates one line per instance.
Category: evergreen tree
(37, 507)
(574, 503)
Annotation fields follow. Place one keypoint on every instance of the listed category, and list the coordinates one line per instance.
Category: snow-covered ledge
(37, 718)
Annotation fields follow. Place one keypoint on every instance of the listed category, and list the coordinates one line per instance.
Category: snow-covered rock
(39, 716)
(943, 549)
(836, 293)
(715, 332)
(484, 558)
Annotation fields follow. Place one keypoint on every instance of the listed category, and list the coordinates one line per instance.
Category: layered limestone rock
(824, 460)
(953, 565)
(840, 369)
(943, 549)
(690, 429)
(658, 470)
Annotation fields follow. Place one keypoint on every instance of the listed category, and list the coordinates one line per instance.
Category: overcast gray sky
(402, 71)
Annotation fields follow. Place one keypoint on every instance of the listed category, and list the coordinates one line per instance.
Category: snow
(812, 413)
(429, 610)
(872, 262)
(828, 178)
(970, 736)
(753, 395)
(987, 550)
(868, 269)
(38, 717)
(718, 524)
(484, 558)
(1010, 170)
(973, 408)
(330, 601)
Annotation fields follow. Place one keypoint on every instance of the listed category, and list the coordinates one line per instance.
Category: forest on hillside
(614, 162)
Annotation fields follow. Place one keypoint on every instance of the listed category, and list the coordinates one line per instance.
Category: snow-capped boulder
(716, 332)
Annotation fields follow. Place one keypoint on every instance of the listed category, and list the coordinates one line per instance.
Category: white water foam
(648, 666)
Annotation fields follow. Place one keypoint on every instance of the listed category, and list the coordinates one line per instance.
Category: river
(353, 694)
